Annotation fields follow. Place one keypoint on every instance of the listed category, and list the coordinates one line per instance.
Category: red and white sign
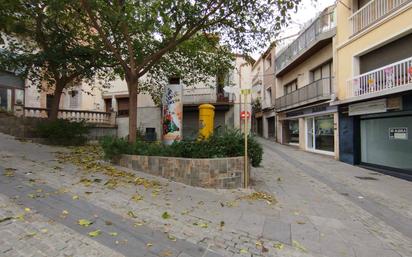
(242, 114)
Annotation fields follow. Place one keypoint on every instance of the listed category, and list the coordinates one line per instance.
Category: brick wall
(208, 173)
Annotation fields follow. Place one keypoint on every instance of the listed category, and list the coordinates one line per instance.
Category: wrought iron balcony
(395, 77)
(316, 91)
(373, 11)
(323, 27)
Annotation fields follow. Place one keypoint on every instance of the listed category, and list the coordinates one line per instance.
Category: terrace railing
(324, 23)
(395, 75)
(373, 11)
(72, 115)
(317, 90)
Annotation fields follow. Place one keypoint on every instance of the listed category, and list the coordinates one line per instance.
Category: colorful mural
(172, 113)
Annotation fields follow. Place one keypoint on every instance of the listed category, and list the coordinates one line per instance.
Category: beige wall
(257, 79)
(302, 71)
(269, 80)
(244, 81)
(388, 29)
(89, 102)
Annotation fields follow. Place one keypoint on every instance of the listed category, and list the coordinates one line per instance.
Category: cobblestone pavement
(313, 216)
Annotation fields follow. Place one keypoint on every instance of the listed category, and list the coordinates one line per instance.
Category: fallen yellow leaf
(298, 246)
(165, 215)
(137, 197)
(131, 214)
(84, 222)
(278, 246)
(94, 233)
(171, 238)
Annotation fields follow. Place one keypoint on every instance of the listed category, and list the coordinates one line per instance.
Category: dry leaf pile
(88, 158)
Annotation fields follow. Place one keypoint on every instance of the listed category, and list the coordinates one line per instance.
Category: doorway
(320, 134)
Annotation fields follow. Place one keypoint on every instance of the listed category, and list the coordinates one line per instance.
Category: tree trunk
(54, 111)
(132, 85)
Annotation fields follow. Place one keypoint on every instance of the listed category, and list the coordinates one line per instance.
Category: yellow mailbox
(206, 120)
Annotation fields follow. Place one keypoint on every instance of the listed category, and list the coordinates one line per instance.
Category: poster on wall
(172, 113)
(398, 133)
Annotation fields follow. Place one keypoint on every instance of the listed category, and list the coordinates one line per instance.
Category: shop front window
(18, 97)
(320, 133)
(292, 132)
(5, 99)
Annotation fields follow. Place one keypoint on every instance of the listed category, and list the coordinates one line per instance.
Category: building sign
(311, 110)
(245, 91)
(172, 111)
(398, 133)
(369, 107)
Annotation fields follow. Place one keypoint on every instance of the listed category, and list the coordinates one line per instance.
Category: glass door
(320, 133)
(309, 129)
(293, 132)
(324, 133)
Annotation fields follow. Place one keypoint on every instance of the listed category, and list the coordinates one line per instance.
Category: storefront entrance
(292, 132)
(320, 133)
(271, 127)
(386, 142)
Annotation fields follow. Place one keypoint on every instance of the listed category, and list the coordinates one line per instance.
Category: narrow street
(322, 208)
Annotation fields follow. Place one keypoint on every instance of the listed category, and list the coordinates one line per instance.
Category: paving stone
(300, 196)
(277, 231)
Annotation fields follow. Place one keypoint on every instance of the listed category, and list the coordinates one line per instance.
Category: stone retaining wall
(25, 127)
(208, 173)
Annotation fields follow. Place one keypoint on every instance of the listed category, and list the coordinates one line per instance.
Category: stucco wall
(302, 71)
(386, 30)
(147, 117)
(269, 80)
(243, 82)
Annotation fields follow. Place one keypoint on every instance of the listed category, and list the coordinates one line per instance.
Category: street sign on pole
(245, 91)
(244, 114)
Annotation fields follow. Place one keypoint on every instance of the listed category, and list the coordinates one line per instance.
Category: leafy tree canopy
(42, 42)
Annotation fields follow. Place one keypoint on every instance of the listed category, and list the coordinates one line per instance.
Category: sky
(308, 9)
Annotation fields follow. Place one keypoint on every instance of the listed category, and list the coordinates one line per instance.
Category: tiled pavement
(321, 211)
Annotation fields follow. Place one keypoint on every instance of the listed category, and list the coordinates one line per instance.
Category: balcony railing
(72, 115)
(383, 79)
(372, 12)
(204, 95)
(324, 23)
(315, 91)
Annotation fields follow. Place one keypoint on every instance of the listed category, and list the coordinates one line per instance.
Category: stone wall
(25, 127)
(208, 173)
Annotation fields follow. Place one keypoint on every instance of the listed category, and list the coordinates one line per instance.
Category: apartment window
(123, 107)
(18, 96)
(291, 86)
(269, 96)
(74, 99)
(322, 71)
(268, 61)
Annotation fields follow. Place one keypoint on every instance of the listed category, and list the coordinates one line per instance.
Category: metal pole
(240, 97)
(246, 178)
